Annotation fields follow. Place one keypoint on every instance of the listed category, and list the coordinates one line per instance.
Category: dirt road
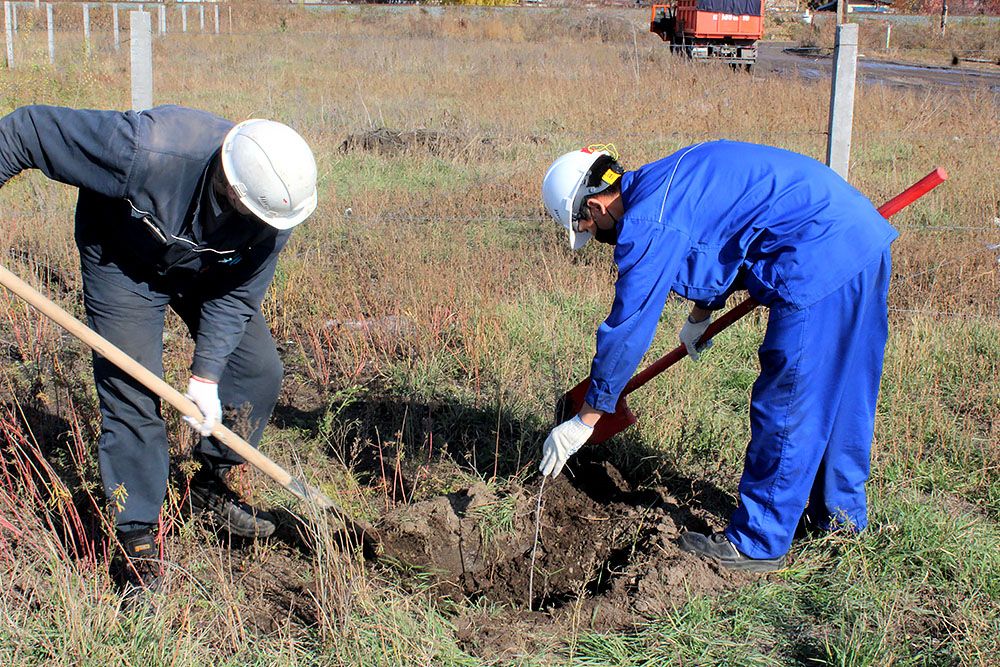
(779, 58)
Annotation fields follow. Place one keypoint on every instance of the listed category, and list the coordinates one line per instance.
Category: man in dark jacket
(179, 208)
(724, 216)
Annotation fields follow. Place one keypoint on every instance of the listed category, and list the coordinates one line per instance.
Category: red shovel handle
(611, 424)
(679, 352)
(913, 193)
(888, 209)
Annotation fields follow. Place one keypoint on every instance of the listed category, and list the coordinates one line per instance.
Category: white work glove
(563, 442)
(691, 332)
(205, 395)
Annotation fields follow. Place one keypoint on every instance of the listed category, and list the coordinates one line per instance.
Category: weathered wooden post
(141, 41)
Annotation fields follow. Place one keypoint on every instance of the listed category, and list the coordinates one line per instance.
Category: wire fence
(117, 34)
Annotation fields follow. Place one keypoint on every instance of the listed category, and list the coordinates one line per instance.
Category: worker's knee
(271, 373)
(255, 380)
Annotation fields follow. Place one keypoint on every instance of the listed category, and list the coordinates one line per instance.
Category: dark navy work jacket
(721, 216)
(142, 179)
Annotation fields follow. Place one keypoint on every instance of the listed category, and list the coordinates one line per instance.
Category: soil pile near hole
(604, 550)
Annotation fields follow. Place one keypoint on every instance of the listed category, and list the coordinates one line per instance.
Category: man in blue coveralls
(180, 208)
(724, 216)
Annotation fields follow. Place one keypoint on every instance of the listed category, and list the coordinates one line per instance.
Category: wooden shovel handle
(151, 381)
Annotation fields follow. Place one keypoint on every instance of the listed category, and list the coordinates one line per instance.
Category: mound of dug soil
(386, 141)
(605, 553)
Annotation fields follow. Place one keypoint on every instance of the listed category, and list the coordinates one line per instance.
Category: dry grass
(917, 42)
(491, 315)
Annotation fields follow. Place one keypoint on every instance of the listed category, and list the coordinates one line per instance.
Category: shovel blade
(609, 425)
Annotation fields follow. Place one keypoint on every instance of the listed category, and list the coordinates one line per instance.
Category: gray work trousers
(132, 451)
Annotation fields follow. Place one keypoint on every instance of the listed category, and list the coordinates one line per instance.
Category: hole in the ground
(592, 529)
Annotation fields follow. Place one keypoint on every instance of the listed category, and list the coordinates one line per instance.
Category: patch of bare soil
(271, 583)
(607, 556)
(386, 141)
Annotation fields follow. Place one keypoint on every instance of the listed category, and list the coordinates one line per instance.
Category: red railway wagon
(725, 30)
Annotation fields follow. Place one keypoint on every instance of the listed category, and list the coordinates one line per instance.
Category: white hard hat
(564, 187)
(272, 171)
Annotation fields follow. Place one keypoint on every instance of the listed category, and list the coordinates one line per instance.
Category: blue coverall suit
(721, 216)
(151, 234)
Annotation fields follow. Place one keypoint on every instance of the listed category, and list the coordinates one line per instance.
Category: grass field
(428, 316)
(970, 37)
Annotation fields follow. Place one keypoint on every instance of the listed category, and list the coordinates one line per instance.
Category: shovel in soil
(612, 424)
(360, 532)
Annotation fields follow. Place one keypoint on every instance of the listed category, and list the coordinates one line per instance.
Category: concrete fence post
(163, 19)
(13, 16)
(8, 33)
(845, 63)
(141, 42)
(114, 26)
(184, 18)
(52, 33)
(216, 19)
(86, 27)
(201, 15)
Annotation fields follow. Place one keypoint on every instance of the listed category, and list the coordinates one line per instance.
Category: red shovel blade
(608, 426)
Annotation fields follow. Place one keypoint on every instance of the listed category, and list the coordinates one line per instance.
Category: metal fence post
(845, 63)
(114, 26)
(9, 33)
(52, 33)
(141, 42)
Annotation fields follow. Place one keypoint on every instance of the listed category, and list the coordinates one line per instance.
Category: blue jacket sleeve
(648, 261)
(224, 315)
(87, 149)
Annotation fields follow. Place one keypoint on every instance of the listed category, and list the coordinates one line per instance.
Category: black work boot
(210, 494)
(718, 547)
(138, 571)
